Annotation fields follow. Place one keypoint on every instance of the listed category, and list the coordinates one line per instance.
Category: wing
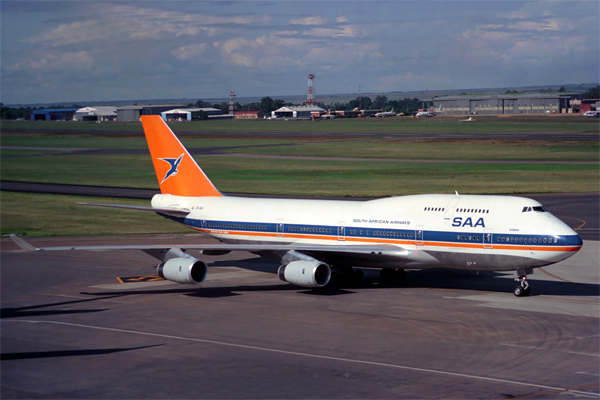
(365, 252)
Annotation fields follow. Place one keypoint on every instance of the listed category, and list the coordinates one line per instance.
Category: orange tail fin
(176, 170)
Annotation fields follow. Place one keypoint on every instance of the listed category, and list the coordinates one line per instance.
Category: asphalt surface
(71, 330)
(397, 136)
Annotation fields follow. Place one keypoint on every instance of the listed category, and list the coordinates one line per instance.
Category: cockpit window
(537, 208)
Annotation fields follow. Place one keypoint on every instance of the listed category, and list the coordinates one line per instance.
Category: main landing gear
(522, 287)
(345, 275)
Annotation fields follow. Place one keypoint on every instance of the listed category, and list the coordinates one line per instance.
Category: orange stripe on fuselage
(385, 241)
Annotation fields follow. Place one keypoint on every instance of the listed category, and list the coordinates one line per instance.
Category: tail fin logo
(174, 163)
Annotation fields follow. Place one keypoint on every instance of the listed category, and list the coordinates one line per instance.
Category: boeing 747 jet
(320, 240)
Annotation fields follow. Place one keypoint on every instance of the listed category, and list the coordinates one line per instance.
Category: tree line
(267, 105)
(23, 112)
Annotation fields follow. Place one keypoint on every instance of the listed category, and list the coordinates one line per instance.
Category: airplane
(386, 114)
(423, 114)
(470, 119)
(321, 242)
(430, 113)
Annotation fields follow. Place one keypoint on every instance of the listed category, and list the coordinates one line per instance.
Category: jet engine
(306, 273)
(183, 270)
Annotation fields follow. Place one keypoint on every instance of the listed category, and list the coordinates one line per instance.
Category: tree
(380, 102)
(562, 89)
(363, 102)
(199, 115)
(222, 106)
(267, 105)
(594, 93)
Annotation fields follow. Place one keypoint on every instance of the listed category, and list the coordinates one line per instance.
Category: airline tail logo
(174, 163)
(177, 175)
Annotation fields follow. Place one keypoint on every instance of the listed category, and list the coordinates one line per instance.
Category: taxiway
(71, 330)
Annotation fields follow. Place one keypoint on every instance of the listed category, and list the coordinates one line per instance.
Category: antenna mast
(310, 99)
(232, 102)
(359, 98)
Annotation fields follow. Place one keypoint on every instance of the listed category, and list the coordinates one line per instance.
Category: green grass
(51, 215)
(541, 150)
(304, 177)
(387, 179)
(84, 141)
(34, 214)
(482, 124)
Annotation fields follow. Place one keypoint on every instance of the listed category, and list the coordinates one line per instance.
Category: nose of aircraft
(568, 240)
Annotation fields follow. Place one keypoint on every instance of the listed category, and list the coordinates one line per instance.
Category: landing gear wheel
(522, 289)
(519, 292)
(358, 275)
(387, 274)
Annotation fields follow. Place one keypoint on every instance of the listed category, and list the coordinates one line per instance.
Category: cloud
(547, 25)
(312, 20)
(191, 51)
(126, 23)
(342, 31)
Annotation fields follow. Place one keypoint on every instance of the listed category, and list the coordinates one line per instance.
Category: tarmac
(70, 329)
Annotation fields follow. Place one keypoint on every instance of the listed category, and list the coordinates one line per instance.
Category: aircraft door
(342, 231)
(280, 227)
(488, 239)
(419, 235)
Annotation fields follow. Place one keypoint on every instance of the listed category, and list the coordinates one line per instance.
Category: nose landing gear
(522, 287)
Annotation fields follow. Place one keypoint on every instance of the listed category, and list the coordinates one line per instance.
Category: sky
(78, 51)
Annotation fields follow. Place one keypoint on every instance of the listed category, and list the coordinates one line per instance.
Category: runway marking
(559, 391)
(539, 348)
(564, 280)
(141, 278)
(554, 276)
(308, 355)
(510, 295)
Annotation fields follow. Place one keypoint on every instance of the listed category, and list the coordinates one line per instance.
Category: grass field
(59, 215)
(303, 177)
(482, 124)
(454, 149)
(51, 215)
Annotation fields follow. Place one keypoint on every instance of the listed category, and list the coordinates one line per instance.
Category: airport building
(96, 114)
(503, 104)
(56, 114)
(133, 113)
(249, 115)
(299, 112)
(186, 114)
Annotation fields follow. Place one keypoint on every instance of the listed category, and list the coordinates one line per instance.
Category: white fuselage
(439, 231)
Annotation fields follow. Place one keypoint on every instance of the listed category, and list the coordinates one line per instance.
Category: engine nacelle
(183, 270)
(306, 273)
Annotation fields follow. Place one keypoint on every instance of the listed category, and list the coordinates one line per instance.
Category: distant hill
(330, 98)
